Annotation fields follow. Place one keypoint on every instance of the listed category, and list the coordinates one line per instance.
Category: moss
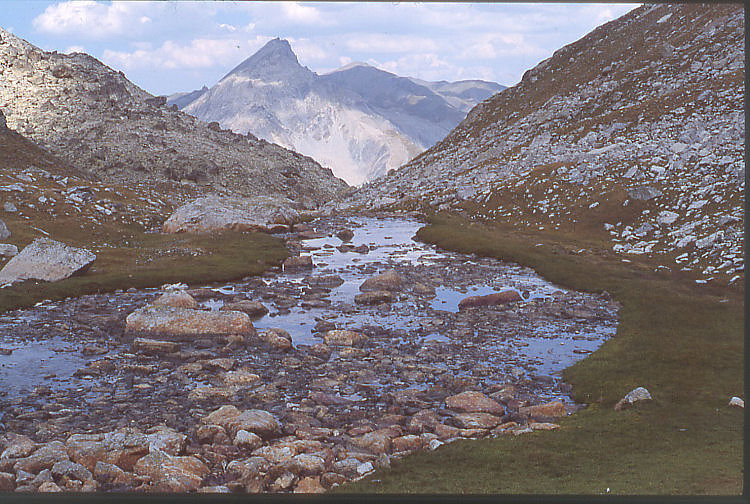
(684, 343)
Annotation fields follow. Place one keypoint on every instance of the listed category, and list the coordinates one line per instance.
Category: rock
(176, 299)
(389, 280)
(331, 479)
(185, 322)
(8, 250)
(43, 458)
(344, 338)
(632, 397)
(171, 473)
(10, 208)
(276, 338)
(374, 297)
(110, 474)
(345, 235)
(474, 402)
(306, 464)
(47, 260)
(151, 346)
(476, 420)
(210, 393)
(233, 420)
(644, 193)
(497, 298)
(49, 487)
(166, 439)
(421, 289)
(551, 409)
(71, 470)
(736, 401)
(326, 281)
(212, 213)
(296, 263)
(407, 443)
(7, 482)
(215, 489)
(239, 378)
(422, 421)
(283, 482)
(254, 309)
(666, 217)
(247, 440)
(4, 233)
(122, 448)
(543, 426)
(635, 395)
(377, 442)
(365, 468)
(210, 433)
(435, 444)
(18, 446)
(309, 485)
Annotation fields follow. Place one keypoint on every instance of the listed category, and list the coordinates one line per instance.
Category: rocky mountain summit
(359, 120)
(94, 118)
(635, 132)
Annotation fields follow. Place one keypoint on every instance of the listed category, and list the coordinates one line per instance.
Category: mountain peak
(273, 61)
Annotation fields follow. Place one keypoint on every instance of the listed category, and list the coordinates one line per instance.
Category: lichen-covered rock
(186, 322)
(474, 402)
(736, 401)
(344, 338)
(47, 260)
(636, 395)
(212, 214)
(171, 473)
(260, 422)
(550, 409)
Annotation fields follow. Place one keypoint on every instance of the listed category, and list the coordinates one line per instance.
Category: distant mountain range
(359, 121)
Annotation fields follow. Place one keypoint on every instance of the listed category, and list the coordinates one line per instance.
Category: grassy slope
(678, 340)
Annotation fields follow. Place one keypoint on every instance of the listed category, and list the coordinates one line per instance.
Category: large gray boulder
(214, 213)
(48, 260)
(4, 233)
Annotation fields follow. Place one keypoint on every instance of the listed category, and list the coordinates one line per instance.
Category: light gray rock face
(213, 213)
(48, 260)
(8, 250)
(359, 121)
(93, 117)
(4, 233)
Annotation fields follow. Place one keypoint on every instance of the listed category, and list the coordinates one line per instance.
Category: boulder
(636, 395)
(151, 346)
(326, 281)
(543, 426)
(176, 299)
(71, 470)
(344, 338)
(122, 447)
(7, 482)
(212, 213)
(247, 440)
(736, 401)
(4, 233)
(260, 422)
(306, 464)
(276, 338)
(239, 378)
(407, 443)
(43, 458)
(376, 442)
(374, 297)
(474, 402)
(496, 298)
(254, 309)
(389, 280)
(296, 263)
(345, 235)
(186, 322)
(309, 485)
(18, 446)
(171, 473)
(476, 420)
(550, 409)
(110, 474)
(48, 260)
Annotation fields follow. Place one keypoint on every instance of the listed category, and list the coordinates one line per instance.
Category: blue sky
(166, 47)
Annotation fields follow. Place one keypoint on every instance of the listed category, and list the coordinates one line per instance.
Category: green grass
(152, 259)
(679, 340)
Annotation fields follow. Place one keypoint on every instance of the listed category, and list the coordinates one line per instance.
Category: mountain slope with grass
(633, 135)
(96, 120)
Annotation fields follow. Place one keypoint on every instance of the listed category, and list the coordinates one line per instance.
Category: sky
(167, 47)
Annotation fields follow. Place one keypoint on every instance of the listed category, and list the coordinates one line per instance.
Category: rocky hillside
(635, 133)
(358, 120)
(95, 119)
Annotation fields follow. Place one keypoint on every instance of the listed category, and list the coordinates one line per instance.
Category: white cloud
(86, 18)
(307, 50)
(199, 53)
(381, 43)
(74, 49)
(298, 13)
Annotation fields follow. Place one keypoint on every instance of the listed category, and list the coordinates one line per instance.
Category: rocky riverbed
(357, 352)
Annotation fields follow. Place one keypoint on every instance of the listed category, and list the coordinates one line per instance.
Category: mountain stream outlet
(370, 352)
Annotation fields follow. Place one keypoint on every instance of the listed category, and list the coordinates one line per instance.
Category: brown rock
(151, 346)
(389, 280)
(185, 322)
(330, 479)
(254, 309)
(7, 482)
(110, 474)
(422, 421)
(208, 433)
(49, 487)
(211, 393)
(170, 473)
(497, 298)
(476, 420)
(18, 446)
(239, 378)
(344, 338)
(345, 235)
(310, 485)
(551, 409)
(247, 440)
(43, 458)
(296, 263)
(121, 448)
(276, 338)
(474, 402)
(446, 431)
(176, 299)
(374, 297)
(305, 464)
(376, 442)
(260, 422)
(543, 426)
(409, 442)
